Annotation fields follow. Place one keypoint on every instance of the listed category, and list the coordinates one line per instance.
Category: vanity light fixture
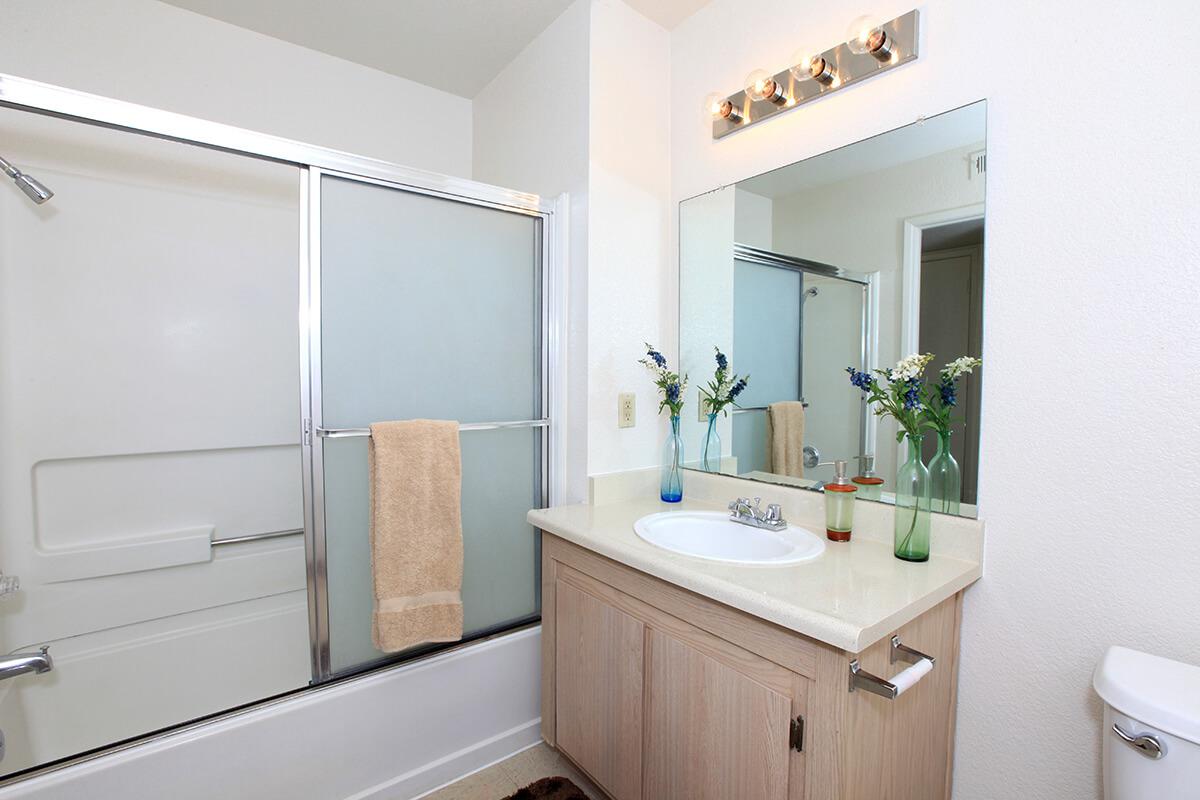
(870, 48)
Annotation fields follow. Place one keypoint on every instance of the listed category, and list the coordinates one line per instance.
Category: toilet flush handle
(1144, 743)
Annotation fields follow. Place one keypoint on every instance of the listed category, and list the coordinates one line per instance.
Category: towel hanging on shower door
(416, 533)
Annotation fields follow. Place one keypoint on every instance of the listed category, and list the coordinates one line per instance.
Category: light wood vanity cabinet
(660, 694)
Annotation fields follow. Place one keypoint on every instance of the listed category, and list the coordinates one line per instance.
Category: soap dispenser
(839, 505)
(870, 485)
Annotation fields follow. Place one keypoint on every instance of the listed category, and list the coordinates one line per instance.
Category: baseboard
(437, 774)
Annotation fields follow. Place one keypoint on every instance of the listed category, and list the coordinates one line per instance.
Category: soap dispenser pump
(870, 485)
(839, 505)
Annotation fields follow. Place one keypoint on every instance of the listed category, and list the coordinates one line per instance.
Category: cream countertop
(850, 597)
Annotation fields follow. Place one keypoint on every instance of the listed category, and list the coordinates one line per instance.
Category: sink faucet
(771, 519)
(20, 663)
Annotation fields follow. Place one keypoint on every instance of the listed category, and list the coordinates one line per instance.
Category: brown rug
(549, 789)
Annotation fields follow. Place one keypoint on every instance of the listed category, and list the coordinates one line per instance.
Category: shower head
(34, 189)
(810, 292)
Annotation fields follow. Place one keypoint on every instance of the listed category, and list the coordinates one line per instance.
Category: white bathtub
(390, 735)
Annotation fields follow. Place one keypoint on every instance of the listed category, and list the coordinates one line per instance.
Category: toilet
(1151, 726)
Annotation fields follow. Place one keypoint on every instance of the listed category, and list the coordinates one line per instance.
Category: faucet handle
(757, 503)
(774, 513)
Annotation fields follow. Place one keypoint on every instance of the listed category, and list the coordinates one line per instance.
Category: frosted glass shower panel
(431, 308)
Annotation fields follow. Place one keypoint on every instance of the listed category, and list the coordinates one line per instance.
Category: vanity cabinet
(658, 693)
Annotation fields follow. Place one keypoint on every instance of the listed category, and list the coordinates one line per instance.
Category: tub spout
(20, 663)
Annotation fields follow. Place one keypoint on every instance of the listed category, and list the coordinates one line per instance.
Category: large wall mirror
(855, 258)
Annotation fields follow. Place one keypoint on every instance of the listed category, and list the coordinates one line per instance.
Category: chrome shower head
(810, 292)
(34, 189)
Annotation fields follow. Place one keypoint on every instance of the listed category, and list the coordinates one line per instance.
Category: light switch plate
(700, 415)
(626, 410)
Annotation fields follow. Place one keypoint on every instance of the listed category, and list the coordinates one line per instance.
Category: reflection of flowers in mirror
(722, 391)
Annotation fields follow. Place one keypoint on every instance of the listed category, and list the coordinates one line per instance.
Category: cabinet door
(599, 662)
(718, 722)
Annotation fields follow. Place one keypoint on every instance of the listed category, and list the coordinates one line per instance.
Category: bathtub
(389, 735)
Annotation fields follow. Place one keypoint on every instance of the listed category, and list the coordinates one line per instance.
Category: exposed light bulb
(720, 107)
(801, 61)
(822, 71)
(761, 85)
(865, 36)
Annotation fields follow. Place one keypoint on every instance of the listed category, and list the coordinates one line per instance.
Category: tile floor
(502, 779)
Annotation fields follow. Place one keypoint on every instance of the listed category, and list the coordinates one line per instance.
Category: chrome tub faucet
(19, 663)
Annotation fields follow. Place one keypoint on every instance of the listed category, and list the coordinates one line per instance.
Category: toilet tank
(1155, 702)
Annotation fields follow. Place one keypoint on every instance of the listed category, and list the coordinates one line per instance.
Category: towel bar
(345, 433)
(902, 681)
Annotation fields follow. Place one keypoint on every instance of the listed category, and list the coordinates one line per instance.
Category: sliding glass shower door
(424, 306)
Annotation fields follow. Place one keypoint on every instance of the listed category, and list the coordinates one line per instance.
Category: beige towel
(416, 533)
(785, 437)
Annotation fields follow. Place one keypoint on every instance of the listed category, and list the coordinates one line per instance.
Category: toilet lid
(1157, 691)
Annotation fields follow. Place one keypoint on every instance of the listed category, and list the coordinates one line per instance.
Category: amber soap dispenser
(839, 505)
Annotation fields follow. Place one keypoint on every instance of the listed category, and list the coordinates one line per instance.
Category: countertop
(852, 596)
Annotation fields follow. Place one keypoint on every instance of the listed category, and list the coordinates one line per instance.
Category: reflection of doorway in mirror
(943, 315)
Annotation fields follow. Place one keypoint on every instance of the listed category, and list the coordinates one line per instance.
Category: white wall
(148, 52)
(631, 294)
(531, 132)
(1091, 201)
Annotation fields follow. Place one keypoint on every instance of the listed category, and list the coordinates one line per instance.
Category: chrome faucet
(20, 663)
(772, 519)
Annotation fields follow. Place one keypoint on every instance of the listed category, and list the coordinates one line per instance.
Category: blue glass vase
(710, 455)
(671, 488)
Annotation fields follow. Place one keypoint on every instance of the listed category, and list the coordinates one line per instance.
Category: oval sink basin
(714, 536)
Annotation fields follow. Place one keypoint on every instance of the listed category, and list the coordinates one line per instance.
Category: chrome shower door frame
(315, 433)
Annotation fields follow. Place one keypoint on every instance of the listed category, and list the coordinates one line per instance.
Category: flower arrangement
(671, 384)
(723, 389)
(942, 402)
(899, 392)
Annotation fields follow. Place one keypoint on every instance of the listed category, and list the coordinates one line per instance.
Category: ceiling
(454, 45)
(667, 13)
(959, 128)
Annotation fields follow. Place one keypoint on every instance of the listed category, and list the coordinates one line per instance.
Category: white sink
(714, 536)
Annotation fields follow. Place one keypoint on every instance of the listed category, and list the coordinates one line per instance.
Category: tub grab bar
(899, 683)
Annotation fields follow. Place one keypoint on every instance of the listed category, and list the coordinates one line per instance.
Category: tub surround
(851, 597)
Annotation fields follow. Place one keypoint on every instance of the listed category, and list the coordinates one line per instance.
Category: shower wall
(148, 405)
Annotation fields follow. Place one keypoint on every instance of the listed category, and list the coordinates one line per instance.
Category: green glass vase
(945, 476)
(912, 505)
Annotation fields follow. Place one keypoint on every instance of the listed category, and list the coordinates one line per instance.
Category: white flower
(910, 367)
(959, 367)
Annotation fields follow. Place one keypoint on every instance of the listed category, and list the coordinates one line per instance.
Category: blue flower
(657, 356)
(912, 395)
(722, 361)
(949, 390)
(672, 391)
(737, 389)
(860, 379)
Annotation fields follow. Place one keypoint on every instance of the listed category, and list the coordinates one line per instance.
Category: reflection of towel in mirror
(416, 533)
(785, 437)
